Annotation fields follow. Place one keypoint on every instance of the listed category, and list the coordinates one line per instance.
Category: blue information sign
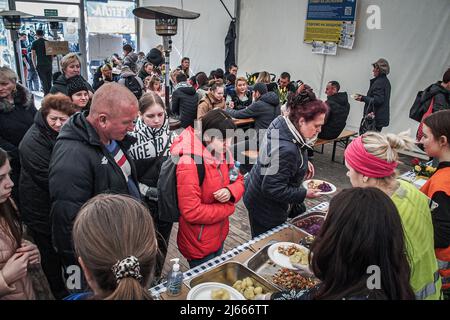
(341, 10)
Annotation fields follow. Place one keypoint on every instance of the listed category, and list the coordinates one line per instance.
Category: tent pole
(228, 11)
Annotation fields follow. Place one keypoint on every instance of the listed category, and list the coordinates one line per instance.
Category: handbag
(368, 121)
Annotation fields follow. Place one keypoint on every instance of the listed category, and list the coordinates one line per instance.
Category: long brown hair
(10, 223)
(108, 229)
(363, 228)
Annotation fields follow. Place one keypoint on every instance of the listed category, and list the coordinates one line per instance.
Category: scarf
(308, 143)
(151, 141)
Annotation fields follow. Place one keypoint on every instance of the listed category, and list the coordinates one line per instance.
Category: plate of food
(355, 96)
(290, 255)
(324, 186)
(214, 291)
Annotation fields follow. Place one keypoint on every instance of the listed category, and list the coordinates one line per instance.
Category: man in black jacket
(185, 101)
(379, 94)
(90, 157)
(337, 113)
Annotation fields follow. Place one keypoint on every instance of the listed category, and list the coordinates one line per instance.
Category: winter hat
(76, 84)
(383, 65)
(155, 57)
(260, 87)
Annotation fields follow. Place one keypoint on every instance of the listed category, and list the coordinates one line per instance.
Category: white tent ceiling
(414, 37)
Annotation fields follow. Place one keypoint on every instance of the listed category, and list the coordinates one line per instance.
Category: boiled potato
(220, 294)
(258, 290)
(249, 294)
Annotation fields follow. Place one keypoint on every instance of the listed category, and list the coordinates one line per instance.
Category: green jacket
(415, 214)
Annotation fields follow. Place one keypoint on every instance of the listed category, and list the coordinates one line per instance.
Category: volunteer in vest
(90, 157)
(436, 141)
(152, 147)
(372, 160)
(205, 208)
(70, 66)
(274, 188)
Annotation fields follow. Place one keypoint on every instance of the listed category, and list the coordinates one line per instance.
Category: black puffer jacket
(264, 110)
(441, 97)
(379, 95)
(35, 153)
(15, 120)
(60, 85)
(337, 116)
(238, 103)
(184, 103)
(80, 168)
(276, 183)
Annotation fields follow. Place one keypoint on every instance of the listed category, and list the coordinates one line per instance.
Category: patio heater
(12, 22)
(166, 23)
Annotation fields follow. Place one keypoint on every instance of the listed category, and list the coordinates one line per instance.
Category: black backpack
(133, 85)
(167, 188)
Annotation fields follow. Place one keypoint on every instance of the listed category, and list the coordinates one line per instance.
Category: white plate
(283, 260)
(333, 187)
(203, 291)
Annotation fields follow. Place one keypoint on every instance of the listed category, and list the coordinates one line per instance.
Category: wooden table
(243, 122)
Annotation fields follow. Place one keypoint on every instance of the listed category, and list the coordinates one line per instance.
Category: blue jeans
(197, 262)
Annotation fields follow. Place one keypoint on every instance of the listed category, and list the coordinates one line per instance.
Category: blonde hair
(387, 146)
(108, 229)
(69, 59)
(8, 74)
(242, 79)
(263, 77)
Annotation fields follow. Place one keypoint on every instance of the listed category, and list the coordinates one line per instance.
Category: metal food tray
(262, 265)
(230, 272)
(292, 221)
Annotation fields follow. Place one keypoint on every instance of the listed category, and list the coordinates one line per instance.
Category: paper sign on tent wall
(331, 21)
(102, 46)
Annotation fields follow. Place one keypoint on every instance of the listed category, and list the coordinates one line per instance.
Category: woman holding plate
(274, 188)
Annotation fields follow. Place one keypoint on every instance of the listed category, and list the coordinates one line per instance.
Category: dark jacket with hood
(60, 85)
(440, 94)
(275, 180)
(185, 102)
(378, 97)
(80, 168)
(15, 120)
(337, 116)
(35, 153)
(264, 110)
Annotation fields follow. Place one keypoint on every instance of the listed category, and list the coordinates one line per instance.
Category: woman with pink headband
(372, 159)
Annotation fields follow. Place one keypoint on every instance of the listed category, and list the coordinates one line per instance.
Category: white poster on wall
(102, 46)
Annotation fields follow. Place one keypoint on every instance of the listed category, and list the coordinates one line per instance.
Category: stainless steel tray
(262, 265)
(293, 221)
(230, 272)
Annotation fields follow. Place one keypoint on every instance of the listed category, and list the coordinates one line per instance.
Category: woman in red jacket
(205, 207)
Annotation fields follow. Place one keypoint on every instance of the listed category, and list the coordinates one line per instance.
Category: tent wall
(414, 38)
(202, 39)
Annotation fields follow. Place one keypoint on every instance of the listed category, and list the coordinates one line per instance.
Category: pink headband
(367, 164)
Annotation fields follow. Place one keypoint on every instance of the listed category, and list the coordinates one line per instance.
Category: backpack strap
(200, 168)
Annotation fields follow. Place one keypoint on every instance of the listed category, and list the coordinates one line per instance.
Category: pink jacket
(21, 289)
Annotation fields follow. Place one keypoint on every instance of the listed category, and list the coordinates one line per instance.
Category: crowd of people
(80, 177)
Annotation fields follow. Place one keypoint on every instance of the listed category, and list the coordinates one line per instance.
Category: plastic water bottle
(234, 172)
(175, 279)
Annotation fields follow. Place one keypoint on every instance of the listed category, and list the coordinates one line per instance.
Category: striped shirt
(121, 160)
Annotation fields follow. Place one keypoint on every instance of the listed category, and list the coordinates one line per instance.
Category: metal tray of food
(229, 273)
(262, 265)
(309, 223)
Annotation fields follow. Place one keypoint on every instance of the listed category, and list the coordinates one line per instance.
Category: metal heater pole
(167, 44)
